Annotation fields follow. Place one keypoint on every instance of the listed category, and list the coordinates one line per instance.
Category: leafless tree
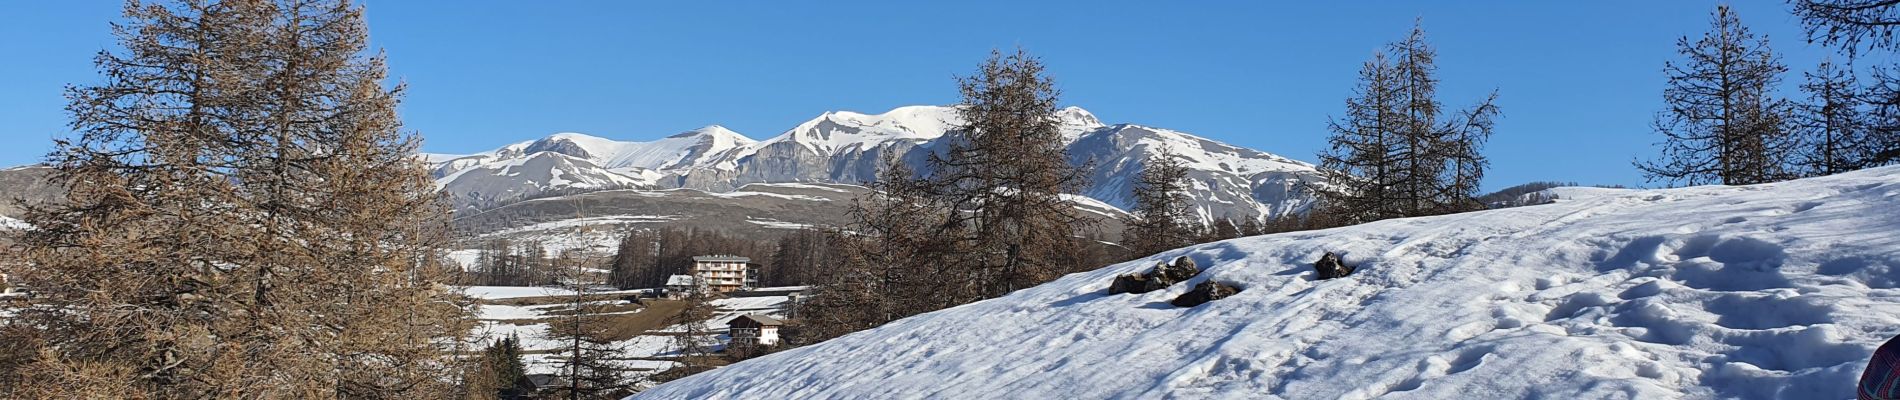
(1004, 175)
(1830, 126)
(587, 366)
(1723, 125)
(1162, 219)
(1396, 152)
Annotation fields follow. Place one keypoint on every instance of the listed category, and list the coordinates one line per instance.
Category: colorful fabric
(1881, 380)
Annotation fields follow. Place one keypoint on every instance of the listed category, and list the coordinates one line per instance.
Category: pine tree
(246, 219)
(1004, 175)
(1162, 218)
(1722, 126)
(1830, 126)
(500, 373)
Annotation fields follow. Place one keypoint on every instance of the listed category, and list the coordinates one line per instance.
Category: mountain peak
(715, 131)
(575, 136)
(1073, 115)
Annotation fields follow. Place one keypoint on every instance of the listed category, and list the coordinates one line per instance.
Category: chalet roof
(721, 258)
(763, 320)
(679, 280)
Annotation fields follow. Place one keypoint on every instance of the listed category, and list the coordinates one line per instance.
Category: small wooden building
(753, 330)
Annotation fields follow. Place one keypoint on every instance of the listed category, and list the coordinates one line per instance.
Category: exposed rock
(1131, 283)
(1329, 267)
(1203, 293)
(1181, 269)
(1162, 276)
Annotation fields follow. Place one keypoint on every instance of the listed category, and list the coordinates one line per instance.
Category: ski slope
(1774, 291)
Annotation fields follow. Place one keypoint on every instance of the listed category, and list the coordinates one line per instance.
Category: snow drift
(1767, 291)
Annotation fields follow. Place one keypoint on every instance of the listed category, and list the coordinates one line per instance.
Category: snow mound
(1766, 291)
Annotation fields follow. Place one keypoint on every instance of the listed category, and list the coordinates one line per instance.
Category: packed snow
(11, 223)
(510, 292)
(1770, 291)
(777, 224)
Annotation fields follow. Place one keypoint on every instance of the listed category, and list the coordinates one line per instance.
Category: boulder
(1203, 293)
(1180, 270)
(1131, 283)
(1160, 277)
(1330, 266)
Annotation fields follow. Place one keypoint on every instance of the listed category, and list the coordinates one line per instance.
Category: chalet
(725, 273)
(753, 330)
(678, 286)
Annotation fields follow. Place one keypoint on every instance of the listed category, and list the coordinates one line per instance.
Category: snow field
(1767, 291)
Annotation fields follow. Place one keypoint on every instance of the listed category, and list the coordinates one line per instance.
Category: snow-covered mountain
(847, 147)
(1773, 291)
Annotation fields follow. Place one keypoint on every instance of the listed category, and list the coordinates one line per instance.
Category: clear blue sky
(1579, 80)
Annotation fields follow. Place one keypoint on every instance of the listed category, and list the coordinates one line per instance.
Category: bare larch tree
(1830, 127)
(246, 219)
(1723, 125)
(1162, 219)
(1005, 173)
(1397, 152)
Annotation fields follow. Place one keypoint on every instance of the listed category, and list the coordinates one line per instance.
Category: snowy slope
(516, 179)
(1225, 181)
(1767, 291)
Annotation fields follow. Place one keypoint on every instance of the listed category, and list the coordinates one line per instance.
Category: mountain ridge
(846, 147)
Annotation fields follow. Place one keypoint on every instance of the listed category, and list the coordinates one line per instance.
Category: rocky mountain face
(26, 185)
(848, 148)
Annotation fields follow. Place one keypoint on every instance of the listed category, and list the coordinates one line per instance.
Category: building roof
(762, 320)
(679, 280)
(721, 258)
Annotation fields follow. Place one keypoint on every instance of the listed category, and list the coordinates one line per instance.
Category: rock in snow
(1779, 290)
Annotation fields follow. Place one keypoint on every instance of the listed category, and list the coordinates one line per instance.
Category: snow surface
(11, 223)
(509, 292)
(1767, 291)
(1581, 192)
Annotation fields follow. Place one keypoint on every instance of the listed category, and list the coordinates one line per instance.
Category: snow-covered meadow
(649, 353)
(1778, 290)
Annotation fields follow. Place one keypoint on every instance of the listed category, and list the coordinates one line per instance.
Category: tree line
(1725, 123)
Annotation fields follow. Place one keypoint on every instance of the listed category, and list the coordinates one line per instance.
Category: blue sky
(1579, 81)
